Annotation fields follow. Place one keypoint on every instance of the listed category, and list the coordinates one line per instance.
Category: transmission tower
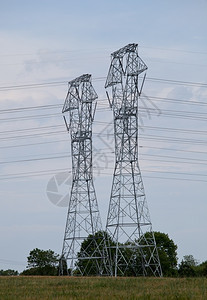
(83, 219)
(134, 249)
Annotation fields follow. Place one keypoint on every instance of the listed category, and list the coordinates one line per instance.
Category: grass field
(102, 288)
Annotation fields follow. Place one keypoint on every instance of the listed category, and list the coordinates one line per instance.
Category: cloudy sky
(45, 44)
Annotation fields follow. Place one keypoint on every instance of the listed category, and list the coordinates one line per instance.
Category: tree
(91, 254)
(190, 260)
(129, 260)
(41, 262)
(167, 251)
(201, 269)
(188, 266)
(8, 272)
(101, 245)
(42, 258)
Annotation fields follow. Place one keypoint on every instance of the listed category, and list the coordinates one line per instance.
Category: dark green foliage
(41, 271)
(201, 270)
(93, 247)
(189, 267)
(190, 260)
(167, 251)
(42, 258)
(186, 270)
(42, 262)
(8, 272)
(129, 258)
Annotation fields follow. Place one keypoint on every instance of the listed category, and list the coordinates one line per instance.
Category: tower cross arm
(76, 88)
(77, 81)
(122, 51)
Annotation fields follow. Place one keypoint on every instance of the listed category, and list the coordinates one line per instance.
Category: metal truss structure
(83, 219)
(133, 251)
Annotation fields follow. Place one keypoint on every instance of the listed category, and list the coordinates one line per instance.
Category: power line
(31, 129)
(31, 117)
(145, 136)
(180, 114)
(172, 161)
(172, 140)
(173, 178)
(39, 116)
(177, 101)
(72, 51)
(20, 109)
(146, 97)
(36, 173)
(183, 159)
(192, 115)
(66, 140)
(178, 82)
(32, 144)
(41, 107)
(40, 85)
(175, 157)
(142, 136)
(56, 52)
(104, 173)
(32, 135)
(173, 149)
(174, 50)
(176, 173)
(98, 49)
(32, 85)
(58, 83)
(190, 131)
(32, 159)
(49, 172)
(180, 130)
(164, 61)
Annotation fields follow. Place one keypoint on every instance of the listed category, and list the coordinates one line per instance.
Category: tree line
(46, 262)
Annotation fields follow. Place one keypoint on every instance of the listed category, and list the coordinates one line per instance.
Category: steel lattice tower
(83, 219)
(128, 222)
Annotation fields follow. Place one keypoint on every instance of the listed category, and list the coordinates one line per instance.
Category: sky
(45, 44)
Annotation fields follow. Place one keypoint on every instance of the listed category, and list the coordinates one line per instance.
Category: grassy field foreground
(102, 288)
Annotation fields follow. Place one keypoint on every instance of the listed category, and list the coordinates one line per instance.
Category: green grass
(21, 287)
